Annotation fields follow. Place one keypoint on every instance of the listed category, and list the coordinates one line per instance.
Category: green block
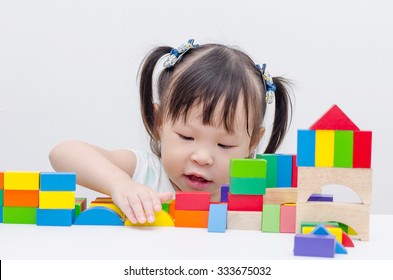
(343, 148)
(247, 186)
(250, 168)
(19, 215)
(1, 198)
(271, 218)
(79, 201)
(314, 224)
(271, 169)
(165, 206)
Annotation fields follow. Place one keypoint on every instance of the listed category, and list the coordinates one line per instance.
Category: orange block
(172, 209)
(191, 218)
(23, 198)
(1, 180)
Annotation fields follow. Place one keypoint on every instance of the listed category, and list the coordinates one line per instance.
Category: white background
(68, 69)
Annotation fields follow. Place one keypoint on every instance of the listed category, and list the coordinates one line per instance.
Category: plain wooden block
(162, 219)
(271, 218)
(217, 218)
(334, 119)
(57, 181)
(55, 217)
(239, 202)
(362, 147)
(284, 171)
(56, 200)
(294, 171)
(288, 218)
(244, 220)
(271, 169)
(23, 198)
(343, 148)
(280, 196)
(247, 167)
(305, 147)
(324, 148)
(19, 215)
(247, 186)
(99, 216)
(21, 180)
(191, 218)
(192, 201)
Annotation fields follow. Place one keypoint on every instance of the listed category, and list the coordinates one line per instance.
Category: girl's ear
(255, 141)
(158, 121)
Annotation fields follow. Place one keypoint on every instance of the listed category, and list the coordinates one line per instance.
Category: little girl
(211, 102)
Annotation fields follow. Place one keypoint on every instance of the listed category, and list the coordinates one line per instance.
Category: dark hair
(206, 76)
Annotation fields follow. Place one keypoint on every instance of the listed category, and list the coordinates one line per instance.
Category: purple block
(314, 245)
(321, 197)
(224, 193)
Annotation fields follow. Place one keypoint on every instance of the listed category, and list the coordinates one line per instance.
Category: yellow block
(21, 180)
(337, 232)
(57, 200)
(110, 206)
(163, 219)
(324, 148)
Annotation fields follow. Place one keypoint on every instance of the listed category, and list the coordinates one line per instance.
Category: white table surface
(121, 243)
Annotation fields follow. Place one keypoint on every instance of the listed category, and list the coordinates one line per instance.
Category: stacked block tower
(334, 151)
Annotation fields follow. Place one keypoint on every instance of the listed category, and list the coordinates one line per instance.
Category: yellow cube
(56, 200)
(21, 180)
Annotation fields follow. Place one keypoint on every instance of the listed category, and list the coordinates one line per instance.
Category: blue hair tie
(176, 54)
(270, 87)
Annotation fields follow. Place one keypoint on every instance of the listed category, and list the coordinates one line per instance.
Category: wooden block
(288, 218)
(280, 196)
(80, 205)
(191, 218)
(362, 146)
(271, 169)
(238, 202)
(19, 215)
(1, 198)
(1, 215)
(314, 245)
(162, 219)
(100, 216)
(271, 218)
(55, 217)
(306, 147)
(324, 148)
(314, 224)
(165, 206)
(312, 180)
(217, 218)
(245, 167)
(112, 206)
(57, 181)
(192, 201)
(56, 200)
(346, 240)
(247, 185)
(284, 171)
(334, 119)
(343, 148)
(321, 197)
(244, 220)
(103, 199)
(224, 193)
(172, 209)
(294, 171)
(21, 180)
(22, 198)
(1, 180)
(335, 231)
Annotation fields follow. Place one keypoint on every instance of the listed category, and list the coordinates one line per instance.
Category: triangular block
(334, 119)
(347, 241)
(99, 216)
(340, 249)
(320, 230)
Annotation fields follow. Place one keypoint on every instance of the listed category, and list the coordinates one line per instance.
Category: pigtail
(282, 114)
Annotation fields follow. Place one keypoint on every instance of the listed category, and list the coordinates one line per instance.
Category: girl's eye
(185, 137)
(224, 146)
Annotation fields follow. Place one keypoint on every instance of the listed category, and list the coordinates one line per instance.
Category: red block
(334, 119)
(240, 202)
(294, 172)
(288, 218)
(362, 143)
(346, 241)
(192, 201)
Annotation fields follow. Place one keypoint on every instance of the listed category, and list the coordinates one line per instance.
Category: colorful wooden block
(251, 168)
(1, 215)
(1, 198)
(247, 185)
(284, 171)
(239, 202)
(172, 208)
(324, 230)
(99, 216)
(224, 193)
(314, 224)
(55, 217)
(288, 218)
(314, 245)
(1, 180)
(165, 206)
(18, 180)
(271, 169)
(306, 147)
(343, 148)
(244, 220)
(112, 206)
(362, 146)
(271, 218)
(23, 198)
(57, 181)
(80, 205)
(294, 171)
(19, 215)
(56, 200)
(346, 240)
(217, 218)
(334, 119)
(162, 219)
(320, 197)
(192, 201)
(191, 218)
(324, 148)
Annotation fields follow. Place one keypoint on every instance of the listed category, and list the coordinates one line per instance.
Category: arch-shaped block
(163, 219)
(99, 216)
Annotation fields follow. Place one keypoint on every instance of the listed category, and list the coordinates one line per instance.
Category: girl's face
(196, 157)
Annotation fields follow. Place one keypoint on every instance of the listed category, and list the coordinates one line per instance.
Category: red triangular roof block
(334, 119)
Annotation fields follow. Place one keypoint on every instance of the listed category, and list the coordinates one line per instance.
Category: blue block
(306, 147)
(284, 171)
(1, 214)
(57, 181)
(55, 217)
(321, 197)
(340, 249)
(217, 218)
(224, 193)
(313, 245)
(99, 216)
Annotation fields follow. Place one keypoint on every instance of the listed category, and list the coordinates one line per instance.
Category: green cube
(343, 148)
(248, 168)
(247, 186)
(19, 215)
(271, 169)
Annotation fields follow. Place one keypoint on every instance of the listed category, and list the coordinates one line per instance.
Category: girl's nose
(202, 157)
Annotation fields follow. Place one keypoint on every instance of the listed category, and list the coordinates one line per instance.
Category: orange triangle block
(334, 119)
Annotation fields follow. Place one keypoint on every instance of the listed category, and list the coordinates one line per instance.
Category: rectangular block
(244, 220)
(314, 224)
(1, 180)
(1, 215)
(1, 198)
(19, 215)
(314, 245)
(224, 193)
(247, 185)
(305, 147)
(57, 181)
(239, 202)
(343, 148)
(294, 171)
(21, 180)
(271, 169)
(246, 167)
(335, 231)
(288, 218)
(191, 219)
(271, 218)
(280, 195)
(23, 198)
(192, 201)
(284, 171)
(80, 205)
(324, 148)
(55, 217)
(217, 218)
(56, 200)
(321, 197)
(362, 146)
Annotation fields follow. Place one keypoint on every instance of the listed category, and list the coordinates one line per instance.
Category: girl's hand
(139, 202)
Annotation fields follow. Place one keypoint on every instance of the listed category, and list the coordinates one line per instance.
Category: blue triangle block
(99, 216)
(320, 230)
(340, 249)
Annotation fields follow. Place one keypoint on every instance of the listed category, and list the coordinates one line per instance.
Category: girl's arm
(109, 172)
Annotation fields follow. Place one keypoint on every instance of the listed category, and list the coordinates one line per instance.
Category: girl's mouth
(197, 182)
